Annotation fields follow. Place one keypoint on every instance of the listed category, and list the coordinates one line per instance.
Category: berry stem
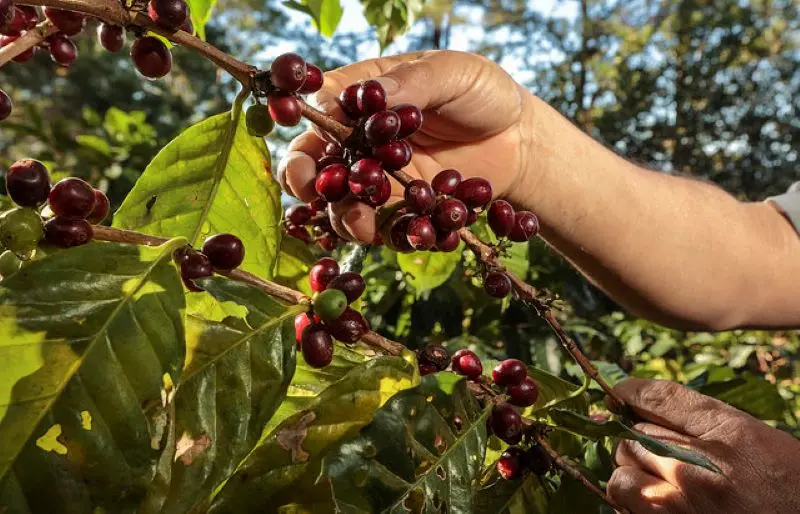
(327, 123)
(28, 40)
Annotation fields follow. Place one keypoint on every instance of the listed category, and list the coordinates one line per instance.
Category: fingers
(642, 492)
(298, 169)
(631, 453)
(353, 220)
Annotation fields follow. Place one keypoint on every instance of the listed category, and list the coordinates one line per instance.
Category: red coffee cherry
(298, 214)
(62, 50)
(506, 423)
(284, 108)
(327, 160)
(225, 251)
(300, 233)
(67, 232)
(317, 346)
(288, 72)
(70, 23)
(71, 197)
(510, 465)
(101, 208)
(7, 12)
(28, 183)
(446, 181)
(497, 284)
(426, 368)
(348, 100)
(331, 183)
(195, 265)
(447, 241)
(328, 242)
(523, 394)
(6, 105)
(381, 196)
(410, 119)
(301, 321)
(322, 273)
(381, 127)
(421, 234)
(474, 192)
(334, 150)
(111, 37)
(420, 197)
(509, 372)
(450, 214)
(526, 225)
(151, 57)
(501, 218)
(170, 14)
(366, 177)
(349, 327)
(351, 284)
(394, 155)
(466, 363)
(314, 80)
(371, 98)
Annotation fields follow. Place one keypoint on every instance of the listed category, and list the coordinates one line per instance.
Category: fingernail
(390, 85)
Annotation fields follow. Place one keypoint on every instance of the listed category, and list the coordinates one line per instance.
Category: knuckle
(658, 394)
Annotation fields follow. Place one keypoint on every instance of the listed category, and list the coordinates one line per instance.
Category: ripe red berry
(284, 108)
(327, 160)
(446, 181)
(371, 98)
(523, 394)
(67, 232)
(6, 14)
(466, 363)
(322, 273)
(314, 80)
(317, 346)
(71, 197)
(288, 72)
(381, 127)
(506, 423)
(300, 233)
(426, 368)
(510, 464)
(317, 206)
(70, 23)
(394, 155)
(6, 105)
(168, 13)
(298, 214)
(351, 284)
(31, 15)
(420, 197)
(28, 183)
(348, 100)
(195, 265)
(101, 208)
(382, 195)
(450, 214)
(501, 218)
(349, 327)
(447, 241)
(475, 192)
(497, 284)
(509, 372)
(328, 242)
(366, 177)
(301, 321)
(537, 460)
(421, 233)
(151, 57)
(111, 37)
(410, 119)
(526, 225)
(62, 50)
(331, 183)
(334, 150)
(224, 251)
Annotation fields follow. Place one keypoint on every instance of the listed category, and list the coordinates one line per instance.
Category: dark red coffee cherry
(506, 423)
(328, 242)
(349, 327)
(348, 100)
(322, 273)
(151, 57)
(301, 321)
(501, 218)
(381, 196)
(6, 105)
(421, 233)
(298, 214)
(317, 346)
(351, 284)
(334, 150)
(371, 98)
(446, 181)
(537, 460)
(71, 197)
(6, 14)
(497, 284)
(224, 251)
(327, 160)
(381, 127)
(331, 183)
(397, 239)
(447, 241)
(510, 465)
(472, 217)
(314, 80)
(436, 355)
(111, 37)
(66, 232)
(450, 214)
(284, 108)
(30, 14)
(195, 265)
(526, 225)
(28, 183)
(288, 72)
(466, 363)
(62, 50)
(410, 119)
(70, 23)
(101, 208)
(420, 197)
(509, 372)
(523, 394)
(300, 233)
(426, 368)
(366, 177)
(394, 155)
(168, 13)
(475, 192)
(317, 206)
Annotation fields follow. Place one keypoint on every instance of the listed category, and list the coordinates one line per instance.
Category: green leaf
(556, 391)
(610, 372)
(572, 496)
(212, 178)
(593, 429)
(294, 261)
(390, 19)
(201, 13)
(283, 467)
(751, 394)
(237, 373)
(326, 13)
(526, 495)
(428, 270)
(92, 345)
(413, 456)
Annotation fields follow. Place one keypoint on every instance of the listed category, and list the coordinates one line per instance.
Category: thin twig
(27, 41)
(327, 123)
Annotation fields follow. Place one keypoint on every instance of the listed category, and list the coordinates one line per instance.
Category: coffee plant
(155, 365)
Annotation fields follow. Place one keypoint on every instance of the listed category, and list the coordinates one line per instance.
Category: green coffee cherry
(330, 304)
(259, 122)
(9, 264)
(20, 231)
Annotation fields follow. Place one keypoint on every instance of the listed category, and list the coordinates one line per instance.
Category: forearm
(677, 251)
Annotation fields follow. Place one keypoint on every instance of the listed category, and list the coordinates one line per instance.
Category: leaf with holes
(422, 452)
(237, 373)
(212, 178)
(92, 346)
(527, 494)
(282, 469)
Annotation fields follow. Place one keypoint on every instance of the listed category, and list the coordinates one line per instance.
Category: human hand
(474, 121)
(760, 464)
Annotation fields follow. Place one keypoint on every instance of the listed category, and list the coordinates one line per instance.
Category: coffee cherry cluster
(15, 20)
(220, 252)
(332, 317)
(150, 55)
(515, 462)
(310, 223)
